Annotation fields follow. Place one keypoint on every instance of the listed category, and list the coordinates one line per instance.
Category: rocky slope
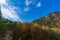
(51, 20)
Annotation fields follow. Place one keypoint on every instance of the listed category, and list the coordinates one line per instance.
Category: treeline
(6, 24)
(35, 31)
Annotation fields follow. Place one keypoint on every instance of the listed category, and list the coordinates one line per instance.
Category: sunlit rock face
(50, 19)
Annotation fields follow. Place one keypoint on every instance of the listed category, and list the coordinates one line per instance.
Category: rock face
(51, 20)
(6, 35)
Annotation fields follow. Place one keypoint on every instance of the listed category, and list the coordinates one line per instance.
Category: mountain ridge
(52, 17)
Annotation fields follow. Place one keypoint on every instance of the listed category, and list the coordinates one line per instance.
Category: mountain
(46, 28)
(51, 20)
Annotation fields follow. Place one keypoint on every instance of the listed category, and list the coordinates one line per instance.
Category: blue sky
(28, 10)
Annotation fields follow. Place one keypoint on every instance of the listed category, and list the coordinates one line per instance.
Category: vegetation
(6, 24)
(36, 32)
(46, 28)
(51, 20)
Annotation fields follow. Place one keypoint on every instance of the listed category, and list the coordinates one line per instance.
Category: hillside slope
(51, 20)
(6, 24)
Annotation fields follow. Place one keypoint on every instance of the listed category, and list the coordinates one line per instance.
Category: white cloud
(38, 4)
(3, 1)
(8, 11)
(26, 9)
(27, 3)
(31, 2)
